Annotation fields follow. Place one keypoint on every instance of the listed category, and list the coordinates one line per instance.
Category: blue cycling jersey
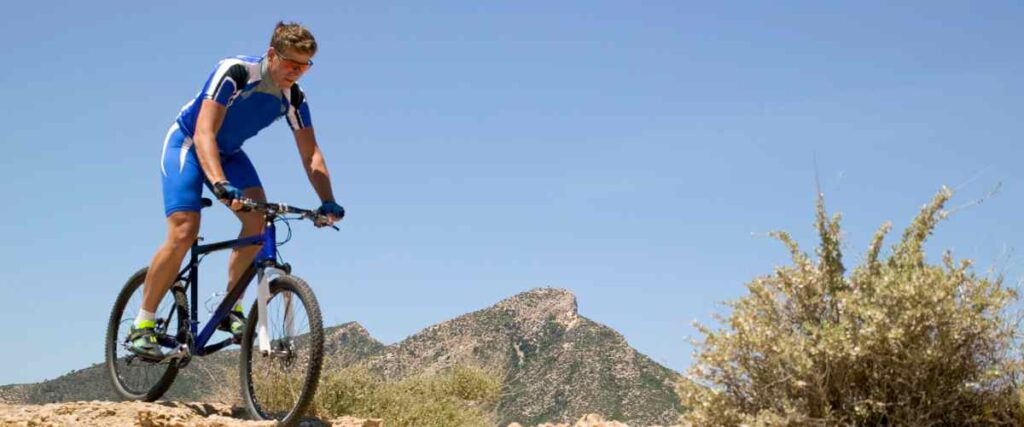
(253, 101)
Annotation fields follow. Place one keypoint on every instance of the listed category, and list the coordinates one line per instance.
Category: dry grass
(461, 396)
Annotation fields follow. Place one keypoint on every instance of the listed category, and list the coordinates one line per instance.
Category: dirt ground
(158, 414)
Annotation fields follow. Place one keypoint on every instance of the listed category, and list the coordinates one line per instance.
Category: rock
(348, 421)
(588, 420)
(594, 420)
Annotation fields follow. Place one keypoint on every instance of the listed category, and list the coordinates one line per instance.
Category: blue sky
(635, 153)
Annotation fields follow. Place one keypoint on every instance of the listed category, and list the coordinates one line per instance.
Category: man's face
(286, 67)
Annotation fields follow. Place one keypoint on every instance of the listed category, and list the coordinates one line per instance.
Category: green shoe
(233, 323)
(142, 342)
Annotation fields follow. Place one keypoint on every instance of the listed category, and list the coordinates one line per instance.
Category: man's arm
(211, 117)
(314, 164)
(225, 83)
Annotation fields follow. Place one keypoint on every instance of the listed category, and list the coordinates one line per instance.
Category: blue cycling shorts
(183, 178)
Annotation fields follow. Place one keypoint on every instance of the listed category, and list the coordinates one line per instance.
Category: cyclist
(242, 96)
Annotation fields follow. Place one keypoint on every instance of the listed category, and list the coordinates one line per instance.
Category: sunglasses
(297, 65)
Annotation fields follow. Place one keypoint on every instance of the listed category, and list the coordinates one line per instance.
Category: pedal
(178, 354)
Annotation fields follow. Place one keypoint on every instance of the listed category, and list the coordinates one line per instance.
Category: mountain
(556, 364)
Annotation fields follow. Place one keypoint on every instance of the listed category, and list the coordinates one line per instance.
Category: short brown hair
(293, 35)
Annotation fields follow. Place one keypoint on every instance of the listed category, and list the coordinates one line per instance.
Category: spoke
(280, 387)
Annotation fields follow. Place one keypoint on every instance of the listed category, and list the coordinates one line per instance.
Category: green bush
(897, 341)
(460, 396)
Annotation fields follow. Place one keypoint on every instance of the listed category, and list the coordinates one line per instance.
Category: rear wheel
(280, 385)
(133, 377)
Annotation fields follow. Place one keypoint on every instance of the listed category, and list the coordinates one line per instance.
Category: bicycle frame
(265, 261)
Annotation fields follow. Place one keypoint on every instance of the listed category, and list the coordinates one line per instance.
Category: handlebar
(274, 209)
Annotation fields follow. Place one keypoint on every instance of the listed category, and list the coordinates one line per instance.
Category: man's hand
(228, 194)
(333, 211)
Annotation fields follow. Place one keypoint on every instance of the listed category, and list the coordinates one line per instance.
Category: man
(242, 96)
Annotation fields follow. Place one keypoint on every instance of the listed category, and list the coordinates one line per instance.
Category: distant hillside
(347, 343)
(556, 364)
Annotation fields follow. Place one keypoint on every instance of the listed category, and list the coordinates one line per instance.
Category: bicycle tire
(259, 403)
(117, 373)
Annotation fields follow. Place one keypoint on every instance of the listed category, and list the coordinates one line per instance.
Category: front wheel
(280, 384)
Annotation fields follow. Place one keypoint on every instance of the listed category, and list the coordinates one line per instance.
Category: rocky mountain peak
(535, 307)
(350, 342)
(347, 331)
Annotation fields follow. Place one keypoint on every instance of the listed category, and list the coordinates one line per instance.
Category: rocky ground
(178, 414)
(159, 414)
(589, 420)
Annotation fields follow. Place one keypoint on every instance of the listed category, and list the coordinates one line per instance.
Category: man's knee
(182, 228)
(252, 222)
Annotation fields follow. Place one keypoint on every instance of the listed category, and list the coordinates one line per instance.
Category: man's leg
(240, 171)
(181, 178)
(252, 225)
(182, 230)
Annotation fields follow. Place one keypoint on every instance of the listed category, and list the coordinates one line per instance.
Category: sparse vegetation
(461, 396)
(897, 341)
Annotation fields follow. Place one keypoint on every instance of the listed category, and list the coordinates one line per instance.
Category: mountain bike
(282, 343)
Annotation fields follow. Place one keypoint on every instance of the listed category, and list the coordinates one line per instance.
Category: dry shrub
(461, 396)
(897, 341)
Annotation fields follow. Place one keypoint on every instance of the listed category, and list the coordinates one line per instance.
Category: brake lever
(323, 223)
(335, 227)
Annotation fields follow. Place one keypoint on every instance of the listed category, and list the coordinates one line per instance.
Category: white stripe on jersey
(292, 113)
(218, 75)
(234, 91)
(293, 117)
(163, 152)
(184, 153)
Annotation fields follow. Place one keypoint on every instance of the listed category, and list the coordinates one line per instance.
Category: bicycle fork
(267, 257)
(262, 297)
